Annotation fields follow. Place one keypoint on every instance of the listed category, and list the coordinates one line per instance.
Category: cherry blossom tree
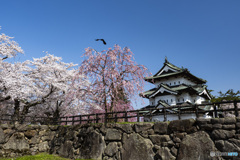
(8, 49)
(38, 87)
(115, 78)
(42, 85)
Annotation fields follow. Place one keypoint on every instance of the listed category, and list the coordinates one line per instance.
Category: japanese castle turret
(175, 86)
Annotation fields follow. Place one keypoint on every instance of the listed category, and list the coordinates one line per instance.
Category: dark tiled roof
(164, 104)
(197, 88)
(178, 71)
(170, 65)
(182, 72)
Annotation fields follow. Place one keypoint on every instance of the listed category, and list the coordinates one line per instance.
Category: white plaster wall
(177, 99)
(167, 99)
(174, 81)
(152, 101)
(186, 97)
(199, 99)
(170, 117)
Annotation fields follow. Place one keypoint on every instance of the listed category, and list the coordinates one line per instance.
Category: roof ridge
(173, 66)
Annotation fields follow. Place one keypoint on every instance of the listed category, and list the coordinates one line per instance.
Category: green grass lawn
(41, 156)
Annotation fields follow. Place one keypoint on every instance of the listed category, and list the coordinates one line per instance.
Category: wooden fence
(135, 115)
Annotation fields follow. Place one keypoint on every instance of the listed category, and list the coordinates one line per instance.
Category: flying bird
(102, 41)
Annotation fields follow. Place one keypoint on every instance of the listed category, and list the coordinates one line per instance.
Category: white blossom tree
(8, 49)
(38, 87)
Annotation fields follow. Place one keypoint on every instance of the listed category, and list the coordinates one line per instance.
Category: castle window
(171, 100)
(178, 82)
(183, 99)
(167, 100)
(174, 82)
(170, 84)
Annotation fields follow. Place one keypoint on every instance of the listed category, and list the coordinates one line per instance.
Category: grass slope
(41, 156)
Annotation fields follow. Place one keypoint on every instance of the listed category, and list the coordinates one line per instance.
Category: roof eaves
(158, 90)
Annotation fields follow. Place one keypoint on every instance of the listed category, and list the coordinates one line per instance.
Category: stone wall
(180, 139)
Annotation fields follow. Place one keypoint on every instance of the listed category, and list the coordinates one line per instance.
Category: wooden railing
(133, 115)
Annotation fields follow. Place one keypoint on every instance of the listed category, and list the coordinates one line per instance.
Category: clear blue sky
(203, 36)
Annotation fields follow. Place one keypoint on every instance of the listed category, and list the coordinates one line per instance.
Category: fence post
(58, 120)
(236, 109)
(105, 120)
(115, 117)
(196, 110)
(179, 114)
(88, 117)
(215, 110)
(73, 120)
(66, 121)
(96, 118)
(165, 116)
(126, 118)
(150, 115)
(137, 116)
(80, 118)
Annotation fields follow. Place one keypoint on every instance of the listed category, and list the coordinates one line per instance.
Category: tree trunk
(16, 115)
(56, 115)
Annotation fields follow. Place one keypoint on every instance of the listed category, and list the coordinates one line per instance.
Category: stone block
(217, 126)
(113, 134)
(144, 134)
(174, 151)
(43, 133)
(34, 140)
(17, 143)
(170, 143)
(44, 127)
(231, 145)
(206, 127)
(221, 134)
(237, 136)
(193, 146)
(136, 147)
(238, 125)
(43, 147)
(139, 127)
(238, 119)
(5, 126)
(181, 125)
(150, 132)
(176, 140)
(160, 127)
(191, 129)
(111, 149)
(202, 120)
(125, 127)
(180, 135)
(164, 153)
(230, 120)
(217, 120)
(53, 128)
(30, 133)
(92, 145)
(159, 139)
(2, 136)
(229, 126)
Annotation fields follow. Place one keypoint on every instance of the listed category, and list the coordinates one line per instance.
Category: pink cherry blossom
(115, 78)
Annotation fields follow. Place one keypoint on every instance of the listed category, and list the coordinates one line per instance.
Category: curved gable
(163, 88)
